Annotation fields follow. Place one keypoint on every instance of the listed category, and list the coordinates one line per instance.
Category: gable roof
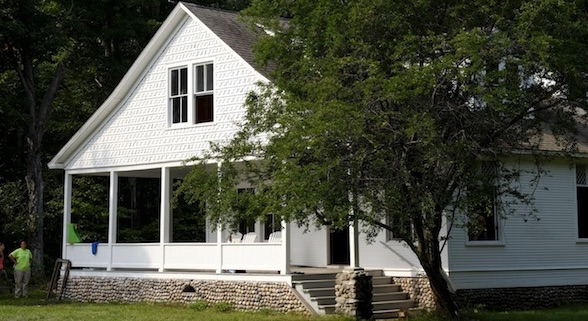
(234, 33)
(231, 29)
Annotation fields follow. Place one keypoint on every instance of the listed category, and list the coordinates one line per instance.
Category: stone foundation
(418, 289)
(523, 298)
(353, 294)
(242, 295)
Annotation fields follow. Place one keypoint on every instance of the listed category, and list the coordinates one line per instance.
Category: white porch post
(67, 194)
(286, 247)
(219, 246)
(112, 215)
(165, 221)
(354, 244)
(219, 229)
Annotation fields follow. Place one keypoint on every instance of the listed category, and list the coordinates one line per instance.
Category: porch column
(112, 215)
(165, 220)
(286, 247)
(219, 229)
(354, 244)
(67, 192)
(219, 246)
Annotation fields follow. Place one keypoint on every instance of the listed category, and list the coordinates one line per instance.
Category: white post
(67, 194)
(164, 222)
(219, 246)
(286, 247)
(112, 215)
(219, 229)
(354, 244)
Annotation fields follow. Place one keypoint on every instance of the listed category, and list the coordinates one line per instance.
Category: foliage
(382, 111)
(199, 305)
(222, 307)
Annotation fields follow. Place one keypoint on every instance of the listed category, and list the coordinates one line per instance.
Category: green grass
(569, 313)
(37, 308)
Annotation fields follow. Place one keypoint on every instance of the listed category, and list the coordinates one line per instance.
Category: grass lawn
(37, 308)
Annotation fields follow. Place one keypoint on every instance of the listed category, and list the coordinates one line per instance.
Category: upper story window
(484, 218)
(178, 95)
(203, 88)
(191, 99)
(582, 200)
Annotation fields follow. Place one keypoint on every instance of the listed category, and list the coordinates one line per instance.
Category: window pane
(184, 81)
(204, 109)
(582, 198)
(184, 109)
(209, 73)
(175, 110)
(174, 82)
(199, 78)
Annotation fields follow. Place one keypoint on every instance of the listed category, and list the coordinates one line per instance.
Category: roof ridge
(199, 6)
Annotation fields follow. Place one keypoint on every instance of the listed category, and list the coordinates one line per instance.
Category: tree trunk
(38, 114)
(35, 188)
(444, 299)
(429, 254)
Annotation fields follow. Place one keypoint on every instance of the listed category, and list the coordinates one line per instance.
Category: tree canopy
(383, 111)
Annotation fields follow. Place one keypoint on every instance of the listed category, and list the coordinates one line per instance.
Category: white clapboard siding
(532, 253)
(138, 132)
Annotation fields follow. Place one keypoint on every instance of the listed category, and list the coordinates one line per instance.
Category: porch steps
(318, 290)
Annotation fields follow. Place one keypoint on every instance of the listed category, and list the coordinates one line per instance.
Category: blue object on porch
(95, 247)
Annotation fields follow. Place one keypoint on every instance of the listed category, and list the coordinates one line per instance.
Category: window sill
(184, 126)
(581, 241)
(485, 244)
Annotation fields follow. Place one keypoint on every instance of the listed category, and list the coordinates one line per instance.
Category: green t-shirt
(23, 259)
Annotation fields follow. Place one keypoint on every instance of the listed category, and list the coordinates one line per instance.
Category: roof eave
(62, 158)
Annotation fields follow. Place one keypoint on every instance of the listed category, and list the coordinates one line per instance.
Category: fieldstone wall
(353, 294)
(418, 289)
(523, 298)
(243, 295)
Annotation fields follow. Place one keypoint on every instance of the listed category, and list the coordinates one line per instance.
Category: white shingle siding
(138, 133)
(534, 253)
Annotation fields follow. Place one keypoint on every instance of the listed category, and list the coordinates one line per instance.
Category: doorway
(339, 246)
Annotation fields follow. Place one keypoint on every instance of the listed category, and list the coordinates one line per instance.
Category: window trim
(576, 209)
(498, 221)
(191, 93)
(169, 96)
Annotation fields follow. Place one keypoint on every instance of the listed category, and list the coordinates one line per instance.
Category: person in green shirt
(22, 259)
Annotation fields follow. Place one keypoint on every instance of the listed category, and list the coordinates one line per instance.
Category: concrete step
(375, 273)
(306, 277)
(391, 305)
(378, 280)
(327, 309)
(324, 300)
(386, 314)
(392, 296)
(320, 292)
(385, 288)
(315, 284)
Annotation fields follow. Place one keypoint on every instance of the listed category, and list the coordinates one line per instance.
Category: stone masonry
(418, 289)
(242, 295)
(353, 293)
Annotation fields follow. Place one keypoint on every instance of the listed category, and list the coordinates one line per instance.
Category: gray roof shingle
(236, 33)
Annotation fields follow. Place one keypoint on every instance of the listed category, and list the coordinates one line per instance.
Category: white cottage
(186, 89)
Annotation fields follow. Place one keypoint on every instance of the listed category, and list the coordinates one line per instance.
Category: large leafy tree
(381, 111)
(32, 48)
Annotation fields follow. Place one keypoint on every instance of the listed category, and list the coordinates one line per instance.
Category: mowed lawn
(37, 308)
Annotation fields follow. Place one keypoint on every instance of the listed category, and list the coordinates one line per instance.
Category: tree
(32, 44)
(382, 111)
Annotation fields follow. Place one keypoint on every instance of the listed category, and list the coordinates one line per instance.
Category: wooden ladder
(55, 277)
